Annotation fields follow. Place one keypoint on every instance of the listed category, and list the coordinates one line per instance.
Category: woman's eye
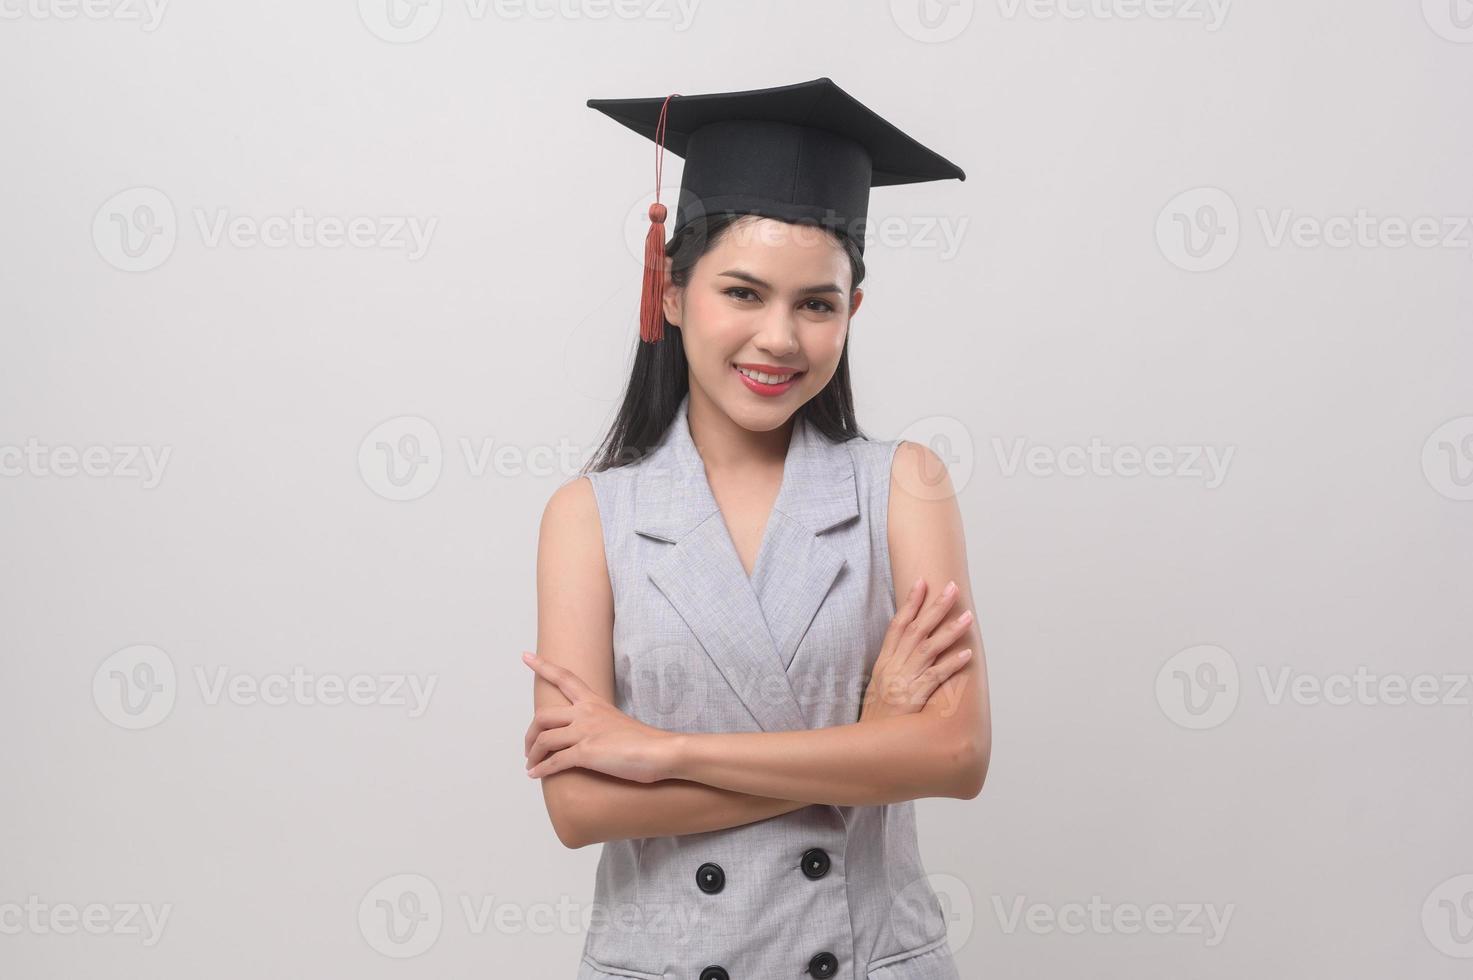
(742, 293)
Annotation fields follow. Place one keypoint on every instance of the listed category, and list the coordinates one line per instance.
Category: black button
(823, 964)
(815, 862)
(714, 973)
(710, 879)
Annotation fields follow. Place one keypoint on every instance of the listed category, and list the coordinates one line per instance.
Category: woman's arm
(943, 750)
(575, 618)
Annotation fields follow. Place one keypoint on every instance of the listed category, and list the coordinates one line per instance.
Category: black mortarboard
(804, 152)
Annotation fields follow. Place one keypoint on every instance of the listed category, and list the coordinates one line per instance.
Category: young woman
(755, 648)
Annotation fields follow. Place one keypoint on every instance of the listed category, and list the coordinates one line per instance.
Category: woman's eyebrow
(826, 287)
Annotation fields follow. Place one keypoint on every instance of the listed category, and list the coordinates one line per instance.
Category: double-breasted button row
(711, 879)
(822, 965)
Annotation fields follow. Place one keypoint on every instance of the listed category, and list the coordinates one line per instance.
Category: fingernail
(918, 584)
(964, 618)
(950, 587)
(964, 656)
(527, 656)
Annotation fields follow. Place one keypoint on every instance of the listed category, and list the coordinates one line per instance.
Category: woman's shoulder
(572, 507)
(873, 458)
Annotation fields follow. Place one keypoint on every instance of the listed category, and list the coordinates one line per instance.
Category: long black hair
(660, 377)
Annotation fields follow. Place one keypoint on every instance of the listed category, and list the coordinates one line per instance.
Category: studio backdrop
(306, 310)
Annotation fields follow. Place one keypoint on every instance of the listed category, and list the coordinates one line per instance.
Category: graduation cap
(807, 152)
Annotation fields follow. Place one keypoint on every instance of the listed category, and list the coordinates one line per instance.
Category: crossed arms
(715, 781)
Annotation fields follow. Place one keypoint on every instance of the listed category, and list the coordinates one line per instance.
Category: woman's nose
(779, 333)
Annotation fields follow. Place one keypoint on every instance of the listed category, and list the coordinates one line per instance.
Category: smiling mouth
(762, 377)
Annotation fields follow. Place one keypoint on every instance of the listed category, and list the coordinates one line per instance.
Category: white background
(1070, 307)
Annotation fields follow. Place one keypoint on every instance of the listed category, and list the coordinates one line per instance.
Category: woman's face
(771, 298)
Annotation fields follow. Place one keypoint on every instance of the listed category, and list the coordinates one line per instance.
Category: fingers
(903, 616)
(925, 621)
(562, 678)
(556, 762)
(549, 742)
(945, 635)
(553, 716)
(937, 674)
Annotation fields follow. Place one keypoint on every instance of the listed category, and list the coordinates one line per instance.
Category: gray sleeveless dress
(821, 892)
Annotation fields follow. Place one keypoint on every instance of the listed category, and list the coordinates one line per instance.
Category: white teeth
(767, 379)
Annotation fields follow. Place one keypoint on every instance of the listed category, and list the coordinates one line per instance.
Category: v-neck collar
(817, 490)
(750, 626)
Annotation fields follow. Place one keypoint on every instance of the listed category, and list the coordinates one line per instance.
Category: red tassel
(651, 311)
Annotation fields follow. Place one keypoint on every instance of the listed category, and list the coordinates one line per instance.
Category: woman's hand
(907, 672)
(591, 733)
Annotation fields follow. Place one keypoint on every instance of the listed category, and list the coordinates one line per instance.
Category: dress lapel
(749, 628)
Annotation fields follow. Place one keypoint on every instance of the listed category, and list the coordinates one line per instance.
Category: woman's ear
(855, 300)
(671, 299)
